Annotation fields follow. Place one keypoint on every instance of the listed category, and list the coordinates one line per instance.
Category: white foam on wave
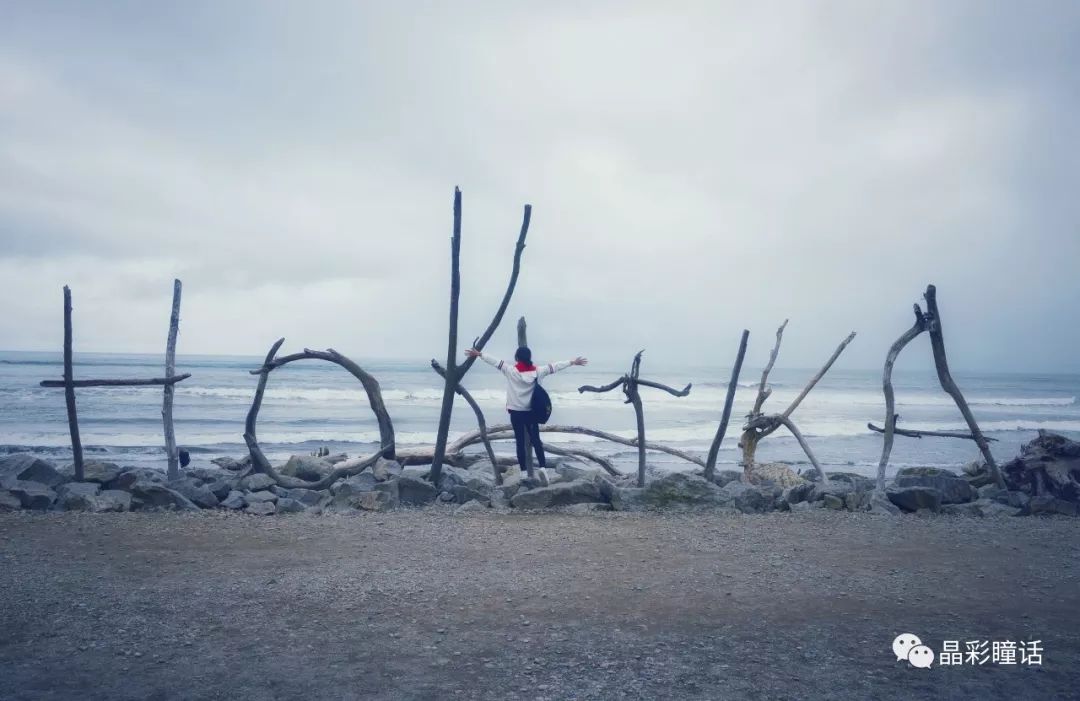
(699, 398)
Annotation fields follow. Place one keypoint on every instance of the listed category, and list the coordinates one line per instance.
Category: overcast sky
(694, 169)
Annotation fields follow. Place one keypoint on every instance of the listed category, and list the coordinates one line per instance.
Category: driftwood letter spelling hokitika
(629, 383)
(69, 383)
(345, 469)
(453, 372)
(759, 425)
(930, 321)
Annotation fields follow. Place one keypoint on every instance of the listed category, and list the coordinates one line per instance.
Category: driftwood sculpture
(349, 467)
(630, 383)
(758, 425)
(930, 321)
(69, 383)
(453, 372)
(714, 449)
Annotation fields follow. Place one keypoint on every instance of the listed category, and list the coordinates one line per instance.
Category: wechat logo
(908, 647)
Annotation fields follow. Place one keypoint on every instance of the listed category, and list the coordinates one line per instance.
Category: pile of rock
(1044, 479)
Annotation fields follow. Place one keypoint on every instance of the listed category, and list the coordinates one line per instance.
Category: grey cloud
(693, 171)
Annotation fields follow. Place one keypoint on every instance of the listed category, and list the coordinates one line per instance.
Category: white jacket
(519, 385)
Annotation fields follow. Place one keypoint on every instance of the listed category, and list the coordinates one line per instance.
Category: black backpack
(540, 404)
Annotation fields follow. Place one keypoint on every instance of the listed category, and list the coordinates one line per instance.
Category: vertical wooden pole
(451, 352)
(170, 388)
(523, 340)
(631, 389)
(941, 363)
(69, 390)
(714, 449)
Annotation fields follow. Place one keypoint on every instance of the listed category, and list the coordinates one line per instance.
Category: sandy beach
(426, 604)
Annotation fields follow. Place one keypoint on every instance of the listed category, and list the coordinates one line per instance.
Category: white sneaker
(541, 474)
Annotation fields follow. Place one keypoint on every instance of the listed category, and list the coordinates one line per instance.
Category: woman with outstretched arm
(521, 377)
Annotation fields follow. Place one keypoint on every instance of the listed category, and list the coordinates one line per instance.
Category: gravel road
(428, 604)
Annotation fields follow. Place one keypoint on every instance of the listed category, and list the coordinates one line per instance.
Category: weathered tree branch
(937, 342)
(714, 449)
(452, 375)
(605, 388)
(350, 467)
(805, 446)
(480, 421)
(749, 439)
(890, 400)
(763, 387)
(820, 373)
(370, 384)
(515, 271)
(167, 381)
(656, 385)
(69, 390)
(173, 470)
(629, 383)
(910, 433)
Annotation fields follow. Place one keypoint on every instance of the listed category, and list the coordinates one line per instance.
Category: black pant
(523, 424)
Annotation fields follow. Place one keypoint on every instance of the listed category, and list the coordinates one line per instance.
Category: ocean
(314, 404)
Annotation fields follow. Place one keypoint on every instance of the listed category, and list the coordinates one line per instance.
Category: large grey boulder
(307, 497)
(681, 490)
(306, 467)
(881, 505)
(463, 493)
(384, 469)
(256, 482)
(837, 488)
(954, 488)
(264, 496)
(796, 494)
(130, 475)
(286, 505)
(77, 496)
(363, 482)
(747, 498)
(234, 501)
(150, 495)
(32, 495)
(414, 490)
(9, 501)
(571, 471)
(558, 494)
(915, 498)
(26, 467)
(199, 494)
(723, 477)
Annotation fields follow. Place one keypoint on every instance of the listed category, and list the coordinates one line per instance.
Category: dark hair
(524, 355)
